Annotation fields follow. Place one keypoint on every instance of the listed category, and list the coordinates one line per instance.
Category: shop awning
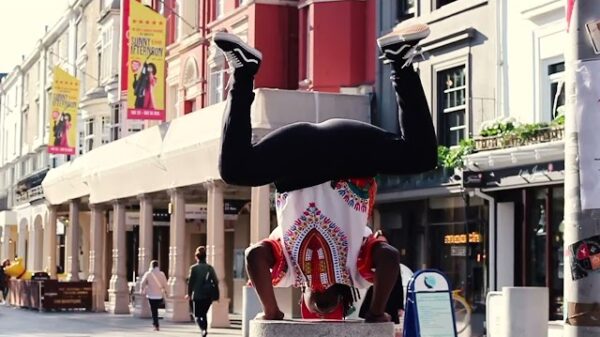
(527, 166)
(185, 151)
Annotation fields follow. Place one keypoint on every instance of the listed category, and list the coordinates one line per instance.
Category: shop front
(528, 201)
(449, 233)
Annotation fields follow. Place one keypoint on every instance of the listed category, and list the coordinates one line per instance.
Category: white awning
(185, 151)
(515, 156)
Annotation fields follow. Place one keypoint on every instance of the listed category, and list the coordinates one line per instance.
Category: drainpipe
(492, 236)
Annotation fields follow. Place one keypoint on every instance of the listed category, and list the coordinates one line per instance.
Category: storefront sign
(145, 63)
(63, 113)
(585, 257)
(474, 237)
(429, 310)
(515, 176)
(460, 251)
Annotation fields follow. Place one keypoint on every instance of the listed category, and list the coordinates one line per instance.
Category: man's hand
(187, 297)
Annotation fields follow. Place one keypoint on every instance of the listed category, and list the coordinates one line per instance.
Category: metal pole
(581, 296)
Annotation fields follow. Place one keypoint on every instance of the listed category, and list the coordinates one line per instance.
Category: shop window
(457, 246)
(539, 258)
(441, 3)
(452, 92)
(217, 82)
(189, 106)
(556, 73)
(219, 8)
(406, 9)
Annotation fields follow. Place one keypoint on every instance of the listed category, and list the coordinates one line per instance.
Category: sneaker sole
(235, 39)
(410, 33)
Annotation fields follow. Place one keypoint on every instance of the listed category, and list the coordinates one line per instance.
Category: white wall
(535, 38)
(505, 243)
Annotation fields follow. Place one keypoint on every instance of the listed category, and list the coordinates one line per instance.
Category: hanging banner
(587, 119)
(146, 63)
(63, 113)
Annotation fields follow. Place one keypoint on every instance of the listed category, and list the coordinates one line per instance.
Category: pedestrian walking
(154, 286)
(203, 288)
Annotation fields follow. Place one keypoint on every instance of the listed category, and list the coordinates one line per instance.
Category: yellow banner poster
(146, 63)
(63, 113)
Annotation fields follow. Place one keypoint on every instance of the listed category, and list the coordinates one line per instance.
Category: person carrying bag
(203, 288)
(154, 285)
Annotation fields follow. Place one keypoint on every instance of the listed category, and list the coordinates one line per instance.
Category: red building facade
(306, 45)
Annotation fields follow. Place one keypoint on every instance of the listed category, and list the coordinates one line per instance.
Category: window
(89, 134)
(556, 73)
(451, 114)
(99, 70)
(217, 78)
(105, 129)
(115, 126)
(25, 125)
(441, 3)
(406, 9)
(106, 52)
(219, 8)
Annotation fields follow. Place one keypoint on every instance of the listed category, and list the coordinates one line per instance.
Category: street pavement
(22, 322)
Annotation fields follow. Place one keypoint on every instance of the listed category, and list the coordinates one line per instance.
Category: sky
(22, 25)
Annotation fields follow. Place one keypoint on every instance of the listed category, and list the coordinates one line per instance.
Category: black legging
(301, 155)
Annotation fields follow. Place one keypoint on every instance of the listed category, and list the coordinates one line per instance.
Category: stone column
(31, 242)
(50, 242)
(141, 305)
(215, 244)
(260, 228)
(39, 247)
(72, 268)
(118, 293)
(260, 214)
(22, 233)
(8, 235)
(177, 305)
(97, 242)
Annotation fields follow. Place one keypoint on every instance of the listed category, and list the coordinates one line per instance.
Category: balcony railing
(537, 136)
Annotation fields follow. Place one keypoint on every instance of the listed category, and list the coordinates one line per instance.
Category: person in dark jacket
(203, 288)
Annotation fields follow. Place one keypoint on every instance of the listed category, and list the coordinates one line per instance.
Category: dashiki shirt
(321, 230)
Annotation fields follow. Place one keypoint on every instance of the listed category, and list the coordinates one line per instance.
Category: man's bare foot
(277, 316)
(381, 318)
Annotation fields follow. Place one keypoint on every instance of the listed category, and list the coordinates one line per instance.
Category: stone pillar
(260, 214)
(8, 235)
(215, 244)
(50, 242)
(141, 305)
(260, 228)
(30, 263)
(38, 245)
(177, 305)
(118, 293)
(72, 268)
(22, 234)
(97, 242)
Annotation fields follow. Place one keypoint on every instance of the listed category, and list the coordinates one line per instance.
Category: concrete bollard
(525, 311)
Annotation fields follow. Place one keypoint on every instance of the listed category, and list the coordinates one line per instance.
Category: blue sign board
(429, 311)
